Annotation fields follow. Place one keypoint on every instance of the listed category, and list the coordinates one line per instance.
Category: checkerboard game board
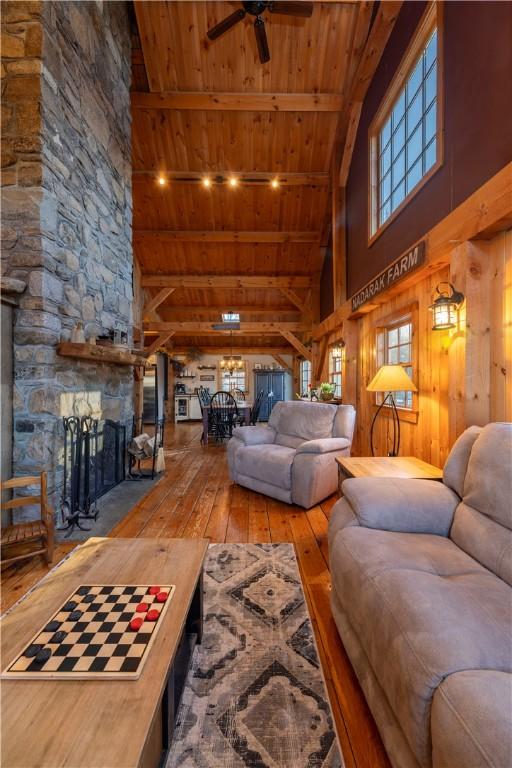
(90, 635)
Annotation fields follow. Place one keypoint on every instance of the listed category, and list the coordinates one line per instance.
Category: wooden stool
(24, 533)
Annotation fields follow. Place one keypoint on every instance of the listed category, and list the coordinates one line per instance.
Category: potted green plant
(327, 390)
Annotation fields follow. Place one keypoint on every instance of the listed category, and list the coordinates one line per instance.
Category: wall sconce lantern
(445, 308)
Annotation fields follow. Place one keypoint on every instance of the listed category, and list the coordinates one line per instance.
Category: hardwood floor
(195, 498)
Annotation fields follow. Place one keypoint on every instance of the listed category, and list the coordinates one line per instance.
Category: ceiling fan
(256, 9)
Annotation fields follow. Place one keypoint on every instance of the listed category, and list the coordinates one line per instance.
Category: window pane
(415, 79)
(430, 123)
(399, 168)
(414, 176)
(397, 196)
(431, 51)
(414, 112)
(393, 356)
(398, 110)
(414, 147)
(393, 337)
(385, 133)
(385, 211)
(405, 333)
(385, 161)
(399, 399)
(385, 187)
(430, 155)
(431, 86)
(405, 353)
(398, 139)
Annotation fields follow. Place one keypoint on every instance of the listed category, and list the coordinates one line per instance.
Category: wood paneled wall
(464, 376)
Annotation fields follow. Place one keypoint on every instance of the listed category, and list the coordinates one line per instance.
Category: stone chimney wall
(67, 211)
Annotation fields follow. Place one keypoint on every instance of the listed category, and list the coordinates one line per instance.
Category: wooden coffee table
(386, 466)
(75, 722)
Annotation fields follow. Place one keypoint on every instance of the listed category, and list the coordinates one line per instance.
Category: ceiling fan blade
(261, 40)
(226, 24)
(292, 9)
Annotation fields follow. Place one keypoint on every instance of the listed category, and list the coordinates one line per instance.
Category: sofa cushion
(309, 421)
(424, 610)
(344, 422)
(455, 468)
(290, 441)
(324, 445)
(482, 524)
(269, 463)
(488, 483)
(472, 720)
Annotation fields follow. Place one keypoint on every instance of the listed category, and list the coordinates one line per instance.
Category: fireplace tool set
(93, 463)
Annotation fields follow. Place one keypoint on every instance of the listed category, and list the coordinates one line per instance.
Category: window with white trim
(304, 377)
(335, 368)
(235, 380)
(405, 144)
(395, 347)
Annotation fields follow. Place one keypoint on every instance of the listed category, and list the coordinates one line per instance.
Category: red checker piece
(162, 597)
(142, 608)
(154, 590)
(152, 615)
(136, 623)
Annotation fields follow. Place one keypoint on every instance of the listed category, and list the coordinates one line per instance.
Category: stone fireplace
(66, 215)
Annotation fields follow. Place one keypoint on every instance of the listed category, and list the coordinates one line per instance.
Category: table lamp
(389, 379)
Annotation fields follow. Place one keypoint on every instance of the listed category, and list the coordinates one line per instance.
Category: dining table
(244, 410)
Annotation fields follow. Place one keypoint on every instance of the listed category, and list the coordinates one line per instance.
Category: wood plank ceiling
(211, 108)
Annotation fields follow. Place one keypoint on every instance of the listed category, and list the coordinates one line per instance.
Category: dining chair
(224, 414)
(17, 535)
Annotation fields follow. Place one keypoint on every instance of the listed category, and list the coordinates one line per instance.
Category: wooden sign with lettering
(397, 270)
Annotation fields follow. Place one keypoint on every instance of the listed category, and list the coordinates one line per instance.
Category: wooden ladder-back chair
(19, 534)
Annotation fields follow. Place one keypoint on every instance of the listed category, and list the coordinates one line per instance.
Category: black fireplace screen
(94, 462)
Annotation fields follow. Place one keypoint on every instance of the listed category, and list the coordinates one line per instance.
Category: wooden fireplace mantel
(99, 354)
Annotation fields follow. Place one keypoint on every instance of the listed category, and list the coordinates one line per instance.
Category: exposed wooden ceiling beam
(376, 42)
(174, 312)
(294, 299)
(162, 339)
(295, 342)
(194, 327)
(246, 350)
(223, 236)
(249, 178)
(279, 360)
(229, 281)
(246, 102)
(155, 302)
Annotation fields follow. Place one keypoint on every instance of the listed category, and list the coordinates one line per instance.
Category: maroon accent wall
(477, 128)
(327, 284)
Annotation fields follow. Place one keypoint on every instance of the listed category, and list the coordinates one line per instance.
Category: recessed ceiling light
(233, 181)
(207, 182)
(274, 183)
(162, 181)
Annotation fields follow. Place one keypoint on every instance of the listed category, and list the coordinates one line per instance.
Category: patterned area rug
(255, 695)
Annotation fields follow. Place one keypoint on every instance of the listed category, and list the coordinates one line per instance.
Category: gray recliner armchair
(293, 458)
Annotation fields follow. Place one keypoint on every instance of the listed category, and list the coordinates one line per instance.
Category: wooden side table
(386, 466)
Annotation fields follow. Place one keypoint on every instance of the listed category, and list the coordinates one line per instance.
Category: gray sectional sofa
(422, 598)
(293, 458)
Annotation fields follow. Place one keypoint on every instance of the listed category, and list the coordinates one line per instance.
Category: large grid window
(395, 347)
(304, 377)
(335, 369)
(405, 136)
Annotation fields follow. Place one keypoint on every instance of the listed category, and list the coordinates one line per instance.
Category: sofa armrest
(403, 505)
(325, 445)
(254, 435)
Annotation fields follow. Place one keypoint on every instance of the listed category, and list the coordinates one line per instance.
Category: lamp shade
(391, 378)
